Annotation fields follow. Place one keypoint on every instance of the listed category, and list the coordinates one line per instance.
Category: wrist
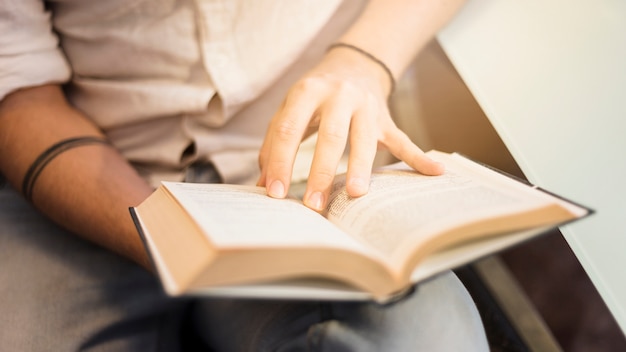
(365, 61)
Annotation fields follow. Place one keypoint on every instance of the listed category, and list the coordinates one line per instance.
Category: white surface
(551, 77)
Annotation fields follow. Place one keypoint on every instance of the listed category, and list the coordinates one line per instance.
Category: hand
(345, 99)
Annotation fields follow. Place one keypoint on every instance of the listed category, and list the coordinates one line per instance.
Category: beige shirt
(171, 82)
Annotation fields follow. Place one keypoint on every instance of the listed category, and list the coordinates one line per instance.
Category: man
(102, 99)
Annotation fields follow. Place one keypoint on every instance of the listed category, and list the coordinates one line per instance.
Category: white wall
(551, 77)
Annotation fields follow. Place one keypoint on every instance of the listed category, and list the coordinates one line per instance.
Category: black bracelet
(369, 56)
(44, 158)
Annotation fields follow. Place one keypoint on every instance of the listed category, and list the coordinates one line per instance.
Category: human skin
(87, 189)
(345, 98)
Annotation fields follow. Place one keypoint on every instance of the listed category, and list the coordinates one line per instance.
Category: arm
(87, 189)
(345, 98)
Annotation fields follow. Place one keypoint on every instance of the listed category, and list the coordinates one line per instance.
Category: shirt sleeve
(29, 50)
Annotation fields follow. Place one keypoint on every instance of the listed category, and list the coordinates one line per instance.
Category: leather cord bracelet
(47, 155)
(369, 56)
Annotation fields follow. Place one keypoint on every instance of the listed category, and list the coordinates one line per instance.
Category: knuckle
(285, 130)
(307, 84)
(349, 91)
(365, 135)
(333, 133)
(344, 88)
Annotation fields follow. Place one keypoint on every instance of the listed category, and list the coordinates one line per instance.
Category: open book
(236, 241)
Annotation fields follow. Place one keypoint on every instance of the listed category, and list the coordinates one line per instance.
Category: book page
(243, 216)
(403, 206)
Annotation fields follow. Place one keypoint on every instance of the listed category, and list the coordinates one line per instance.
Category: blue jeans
(60, 293)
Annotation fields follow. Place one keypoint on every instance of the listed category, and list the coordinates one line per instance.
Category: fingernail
(316, 200)
(277, 189)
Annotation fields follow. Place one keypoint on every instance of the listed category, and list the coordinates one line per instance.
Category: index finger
(285, 133)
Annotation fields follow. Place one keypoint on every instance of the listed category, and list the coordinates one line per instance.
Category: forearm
(87, 189)
(394, 31)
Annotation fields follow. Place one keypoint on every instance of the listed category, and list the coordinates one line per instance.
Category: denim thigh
(61, 293)
(439, 316)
